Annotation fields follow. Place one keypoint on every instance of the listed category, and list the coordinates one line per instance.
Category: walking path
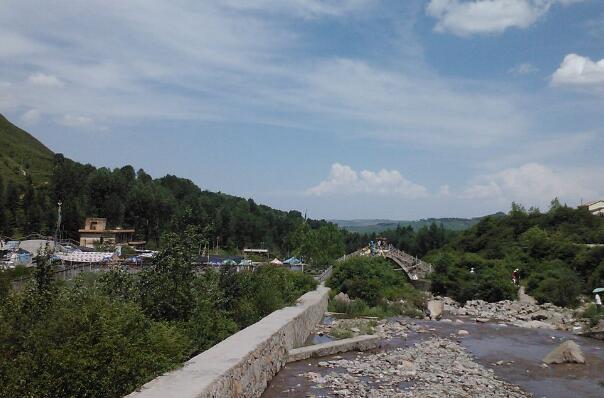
(525, 298)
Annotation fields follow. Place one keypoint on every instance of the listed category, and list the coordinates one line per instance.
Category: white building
(596, 207)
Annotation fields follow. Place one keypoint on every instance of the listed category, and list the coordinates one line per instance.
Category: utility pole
(56, 237)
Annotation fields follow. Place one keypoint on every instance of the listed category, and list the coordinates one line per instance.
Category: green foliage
(166, 286)
(555, 283)
(594, 314)
(103, 336)
(318, 247)
(491, 280)
(33, 180)
(375, 288)
(417, 242)
(84, 344)
(22, 155)
(549, 249)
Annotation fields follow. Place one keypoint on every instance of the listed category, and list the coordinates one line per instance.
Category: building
(95, 232)
(596, 207)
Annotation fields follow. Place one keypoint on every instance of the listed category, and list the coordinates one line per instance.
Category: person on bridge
(598, 302)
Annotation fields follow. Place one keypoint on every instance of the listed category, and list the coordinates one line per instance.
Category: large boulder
(342, 298)
(567, 352)
(436, 308)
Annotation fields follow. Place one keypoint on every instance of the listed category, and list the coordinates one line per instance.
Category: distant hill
(22, 154)
(379, 225)
(128, 198)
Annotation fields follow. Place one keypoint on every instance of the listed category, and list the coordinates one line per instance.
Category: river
(518, 351)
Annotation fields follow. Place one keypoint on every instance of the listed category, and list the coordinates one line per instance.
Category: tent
(276, 261)
(293, 261)
(86, 257)
(229, 261)
(246, 262)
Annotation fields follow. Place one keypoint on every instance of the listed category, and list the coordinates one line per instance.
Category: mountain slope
(379, 225)
(22, 154)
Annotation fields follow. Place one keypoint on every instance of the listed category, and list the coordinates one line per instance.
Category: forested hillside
(558, 253)
(127, 198)
(22, 156)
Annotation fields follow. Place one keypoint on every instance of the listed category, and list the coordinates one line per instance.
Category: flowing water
(520, 349)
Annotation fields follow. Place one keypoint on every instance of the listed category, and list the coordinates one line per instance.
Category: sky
(341, 108)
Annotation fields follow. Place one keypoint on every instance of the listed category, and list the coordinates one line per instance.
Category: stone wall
(244, 363)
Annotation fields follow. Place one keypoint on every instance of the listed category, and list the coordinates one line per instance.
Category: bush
(374, 287)
(104, 336)
(82, 344)
(555, 283)
(593, 314)
(491, 280)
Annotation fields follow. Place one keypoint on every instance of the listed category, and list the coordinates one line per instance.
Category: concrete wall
(243, 364)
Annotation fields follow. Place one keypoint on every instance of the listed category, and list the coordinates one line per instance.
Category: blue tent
(293, 261)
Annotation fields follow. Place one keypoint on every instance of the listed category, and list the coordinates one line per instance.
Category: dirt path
(525, 298)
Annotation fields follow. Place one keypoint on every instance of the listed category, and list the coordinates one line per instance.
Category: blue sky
(346, 109)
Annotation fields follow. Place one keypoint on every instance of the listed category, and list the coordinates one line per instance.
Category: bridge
(414, 268)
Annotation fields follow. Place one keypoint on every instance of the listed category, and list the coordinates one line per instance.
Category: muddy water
(521, 351)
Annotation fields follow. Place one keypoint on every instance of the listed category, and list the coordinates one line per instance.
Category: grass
(22, 154)
(358, 307)
(344, 328)
(593, 314)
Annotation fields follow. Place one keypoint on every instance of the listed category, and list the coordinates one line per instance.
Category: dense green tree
(552, 250)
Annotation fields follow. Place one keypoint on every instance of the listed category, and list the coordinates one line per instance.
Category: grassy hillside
(379, 225)
(22, 154)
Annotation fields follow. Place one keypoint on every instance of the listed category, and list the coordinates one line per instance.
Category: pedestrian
(598, 302)
(515, 276)
(472, 270)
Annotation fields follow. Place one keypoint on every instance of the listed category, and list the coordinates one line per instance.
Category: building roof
(587, 204)
(101, 231)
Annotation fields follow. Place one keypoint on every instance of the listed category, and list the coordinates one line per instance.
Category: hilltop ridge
(23, 154)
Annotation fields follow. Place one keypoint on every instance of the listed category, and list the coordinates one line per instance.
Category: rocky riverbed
(528, 315)
(447, 358)
(433, 368)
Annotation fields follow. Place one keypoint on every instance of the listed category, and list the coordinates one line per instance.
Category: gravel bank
(433, 368)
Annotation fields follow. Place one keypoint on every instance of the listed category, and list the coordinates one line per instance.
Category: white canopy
(276, 261)
(85, 257)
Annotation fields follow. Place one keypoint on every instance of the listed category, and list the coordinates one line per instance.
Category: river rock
(462, 332)
(535, 325)
(436, 308)
(567, 352)
(342, 298)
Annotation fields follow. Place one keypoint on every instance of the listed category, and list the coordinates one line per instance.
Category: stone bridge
(414, 268)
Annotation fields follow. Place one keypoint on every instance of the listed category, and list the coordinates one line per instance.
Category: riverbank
(503, 356)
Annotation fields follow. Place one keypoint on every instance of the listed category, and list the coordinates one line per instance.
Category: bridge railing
(327, 273)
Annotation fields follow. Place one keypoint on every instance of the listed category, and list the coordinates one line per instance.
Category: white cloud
(76, 121)
(579, 71)
(394, 106)
(41, 79)
(523, 69)
(306, 8)
(31, 117)
(343, 180)
(534, 184)
(205, 61)
(465, 18)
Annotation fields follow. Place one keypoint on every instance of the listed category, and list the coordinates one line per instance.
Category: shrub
(374, 287)
(593, 314)
(83, 344)
(555, 283)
